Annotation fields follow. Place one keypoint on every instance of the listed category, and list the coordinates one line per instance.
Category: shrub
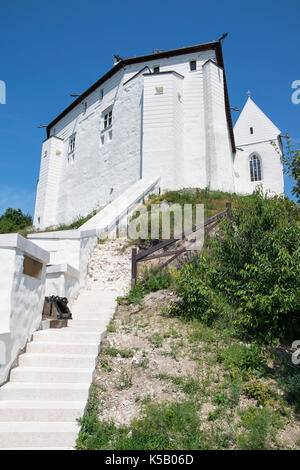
(259, 392)
(13, 220)
(257, 259)
(254, 265)
(196, 296)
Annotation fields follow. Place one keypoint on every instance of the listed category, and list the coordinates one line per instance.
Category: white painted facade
(256, 135)
(174, 124)
(22, 297)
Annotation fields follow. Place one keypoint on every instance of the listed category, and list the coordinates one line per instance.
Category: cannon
(56, 308)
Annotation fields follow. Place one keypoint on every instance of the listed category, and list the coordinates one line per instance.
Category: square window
(156, 69)
(193, 65)
(159, 90)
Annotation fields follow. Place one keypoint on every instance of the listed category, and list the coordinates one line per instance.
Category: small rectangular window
(72, 143)
(110, 135)
(101, 94)
(251, 130)
(156, 69)
(107, 119)
(159, 90)
(193, 65)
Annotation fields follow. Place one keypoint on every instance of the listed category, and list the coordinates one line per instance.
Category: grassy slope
(189, 387)
(216, 393)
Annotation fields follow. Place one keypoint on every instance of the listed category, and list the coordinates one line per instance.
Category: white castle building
(164, 115)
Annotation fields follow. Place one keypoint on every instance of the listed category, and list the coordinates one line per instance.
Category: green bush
(257, 259)
(196, 296)
(254, 264)
(259, 392)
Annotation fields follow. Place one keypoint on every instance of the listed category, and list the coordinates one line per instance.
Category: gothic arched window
(255, 168)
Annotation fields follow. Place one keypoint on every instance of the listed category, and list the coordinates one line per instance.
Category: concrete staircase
(48, 391)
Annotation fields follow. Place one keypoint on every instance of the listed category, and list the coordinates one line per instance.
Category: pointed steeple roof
(252, 117)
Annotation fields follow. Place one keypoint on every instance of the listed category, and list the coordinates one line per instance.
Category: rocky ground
(109, 268)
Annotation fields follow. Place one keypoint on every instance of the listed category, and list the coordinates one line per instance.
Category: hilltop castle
(164, 115)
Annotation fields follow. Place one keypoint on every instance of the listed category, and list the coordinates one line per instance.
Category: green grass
(149, 281)
(288, 379)
(156, 340)
(165, 426)
(243, 360)
(74, 225)
(189, 385)
(114, 352)
(214, 201)
(260, 426)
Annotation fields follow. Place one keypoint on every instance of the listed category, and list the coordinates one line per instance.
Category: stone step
(103, 316)
(92, 304)
(63, 348)
(86, 326)
(38, 434)
(71, 336)
(52, 375)
(45, 391)
(57, 360)
(23, 410)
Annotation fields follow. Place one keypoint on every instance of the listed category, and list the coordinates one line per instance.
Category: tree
(13, 220)
(291, 161)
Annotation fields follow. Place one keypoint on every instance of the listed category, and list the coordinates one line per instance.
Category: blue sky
(48, 50)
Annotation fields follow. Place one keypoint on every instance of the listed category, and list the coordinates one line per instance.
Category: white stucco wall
(63, 280)
(219, 158)
(22, 297)
(71, 247)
